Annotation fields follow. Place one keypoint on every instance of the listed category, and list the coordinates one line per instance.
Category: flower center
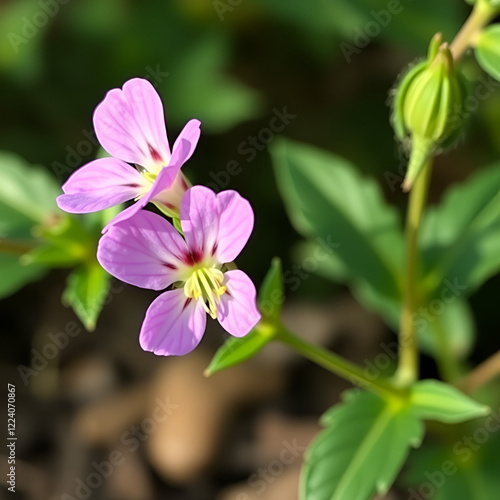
(206, 285)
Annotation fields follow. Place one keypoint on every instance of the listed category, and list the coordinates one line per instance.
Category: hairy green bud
(427, 104)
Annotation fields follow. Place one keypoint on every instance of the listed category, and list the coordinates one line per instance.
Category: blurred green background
(233, 64)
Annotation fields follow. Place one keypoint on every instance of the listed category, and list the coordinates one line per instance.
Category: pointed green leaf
(27, 189)
(329, 202)
(27, 198)
(460, 238)
(488, 50)
(271, 293)
(86, 292)
(362, 450)
(237, 350)
(434, 400)
(218, 100)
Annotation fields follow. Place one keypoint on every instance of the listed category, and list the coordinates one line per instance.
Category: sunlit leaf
(488, 50)
(86, 292)
(434, 400)
(356, 235)
(271, 293)
(460, 238)
(361, 451)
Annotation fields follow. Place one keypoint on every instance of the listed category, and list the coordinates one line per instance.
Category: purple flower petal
(186, 142)
(130, 125)
(200, 221)
(101, 184)
(237, 311)
(145, 251)
(235, 225)
(163, 181)
(174, 324)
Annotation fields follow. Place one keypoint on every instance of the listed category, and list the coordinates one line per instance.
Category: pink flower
(130, 126)
(147, 251)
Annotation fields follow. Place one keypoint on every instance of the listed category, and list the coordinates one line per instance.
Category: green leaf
(27, 189)
(362, 450)
(15, 275)
(236, 350)
(460, 240)
(27, 198)
(452, 325)
(271, 293)
(488, 50)
(218, 100)
(344, 214)
(86, 292)
(434, 400)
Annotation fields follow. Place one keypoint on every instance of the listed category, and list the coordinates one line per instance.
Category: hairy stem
(338, 365)
(408, 356)
(481, 15)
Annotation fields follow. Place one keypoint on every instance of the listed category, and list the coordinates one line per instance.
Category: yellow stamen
(206, 284)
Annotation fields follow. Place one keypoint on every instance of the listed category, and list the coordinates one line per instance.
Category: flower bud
(427, 104)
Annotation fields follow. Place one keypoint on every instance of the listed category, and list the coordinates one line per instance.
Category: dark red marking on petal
(188, 301)
(154, 154)
(132, 185)
(214, 249)
(197, 256)
(170, 266)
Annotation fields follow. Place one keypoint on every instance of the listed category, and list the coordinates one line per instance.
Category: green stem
(408, 356)
(338, 365)
(481, 15)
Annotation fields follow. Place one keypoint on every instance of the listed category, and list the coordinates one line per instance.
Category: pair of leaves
(367, 439)
(35, 235)
(460, 245)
